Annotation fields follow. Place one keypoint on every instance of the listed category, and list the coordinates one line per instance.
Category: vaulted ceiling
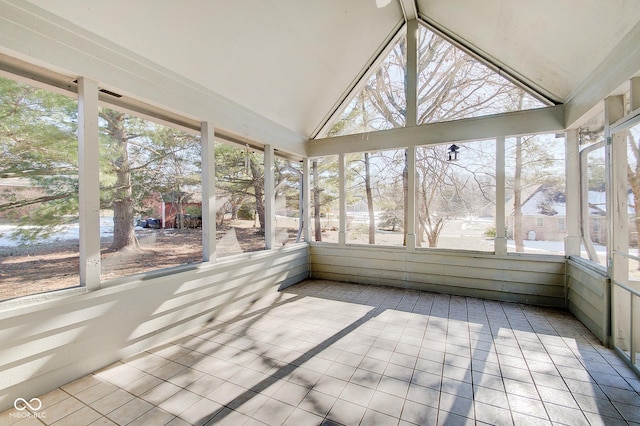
(294, 61)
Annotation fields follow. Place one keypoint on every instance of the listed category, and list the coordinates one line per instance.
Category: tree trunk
(405, 196)
(123, 214)
(517, 192)
(258, 188)
(517, 199)
(316, 202)
(372, 216)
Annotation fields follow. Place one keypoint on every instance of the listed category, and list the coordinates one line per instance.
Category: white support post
(500, 243)
(410, 226)
(635, 93)
(615, 152)
(572, 193)
(269, 197)
(89, 183)
(306, 203)
(411, 118)
(617, 220)
(209, 208)
(412, 74)
(342, 235)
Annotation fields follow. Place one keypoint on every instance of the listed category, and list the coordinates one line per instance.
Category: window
(535, 176)
(455, 200)
(561, 224)
(288, 193)
(39, 229)
(453, 85)
(593, 197)
(632, 202)
(381, 103)
(375, 198)
(325, 207)
(240, 213)
(625, 253)
(151, 195)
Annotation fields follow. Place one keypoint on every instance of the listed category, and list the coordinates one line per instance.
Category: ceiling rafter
(409, 10)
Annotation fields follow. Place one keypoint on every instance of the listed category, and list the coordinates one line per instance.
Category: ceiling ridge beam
(409, 10)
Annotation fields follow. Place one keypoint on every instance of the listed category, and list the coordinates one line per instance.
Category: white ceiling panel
(553, 44)
(288, 60)
(292, 61)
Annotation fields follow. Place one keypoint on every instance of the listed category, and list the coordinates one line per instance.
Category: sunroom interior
(483, 150)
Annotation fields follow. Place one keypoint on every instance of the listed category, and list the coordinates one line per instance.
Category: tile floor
(331, 353)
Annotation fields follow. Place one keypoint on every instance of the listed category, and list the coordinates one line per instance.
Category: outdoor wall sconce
(453, 152)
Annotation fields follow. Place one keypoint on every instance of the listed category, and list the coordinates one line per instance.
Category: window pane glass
(633, 200)
(453, 85)
(626, 267)
(456, 199)
(38, 191)
(325, 208)
(381, 103)
(288, 184)
(239, 200)
(535, 175)
(595, 230)
(375, 198)
(151, 195)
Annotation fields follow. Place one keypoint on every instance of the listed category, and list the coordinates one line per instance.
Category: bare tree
(451, 85)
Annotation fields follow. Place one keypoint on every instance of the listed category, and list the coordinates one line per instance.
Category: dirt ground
(47, 267)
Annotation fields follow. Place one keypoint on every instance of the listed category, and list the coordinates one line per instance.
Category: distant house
(544, 215)
(358, 206)
(166, 210)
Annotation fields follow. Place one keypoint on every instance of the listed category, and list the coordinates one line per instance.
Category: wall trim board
(524, 279)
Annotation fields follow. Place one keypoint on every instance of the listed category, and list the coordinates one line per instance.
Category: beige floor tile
(179, 402)
(158, 394)
(201, 412)
(81, 384)
(377, 418)
(112, 401)
(387, 404)
(273, 412)
(130, 411)
(82, 417)
(60, 409)
(346, 413)
(143, 384)
(155, 416)
(419, 414)
(317, 402)
(301, 417)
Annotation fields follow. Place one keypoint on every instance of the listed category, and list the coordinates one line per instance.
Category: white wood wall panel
(588, 297)
(535, 280)
(50, 343)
